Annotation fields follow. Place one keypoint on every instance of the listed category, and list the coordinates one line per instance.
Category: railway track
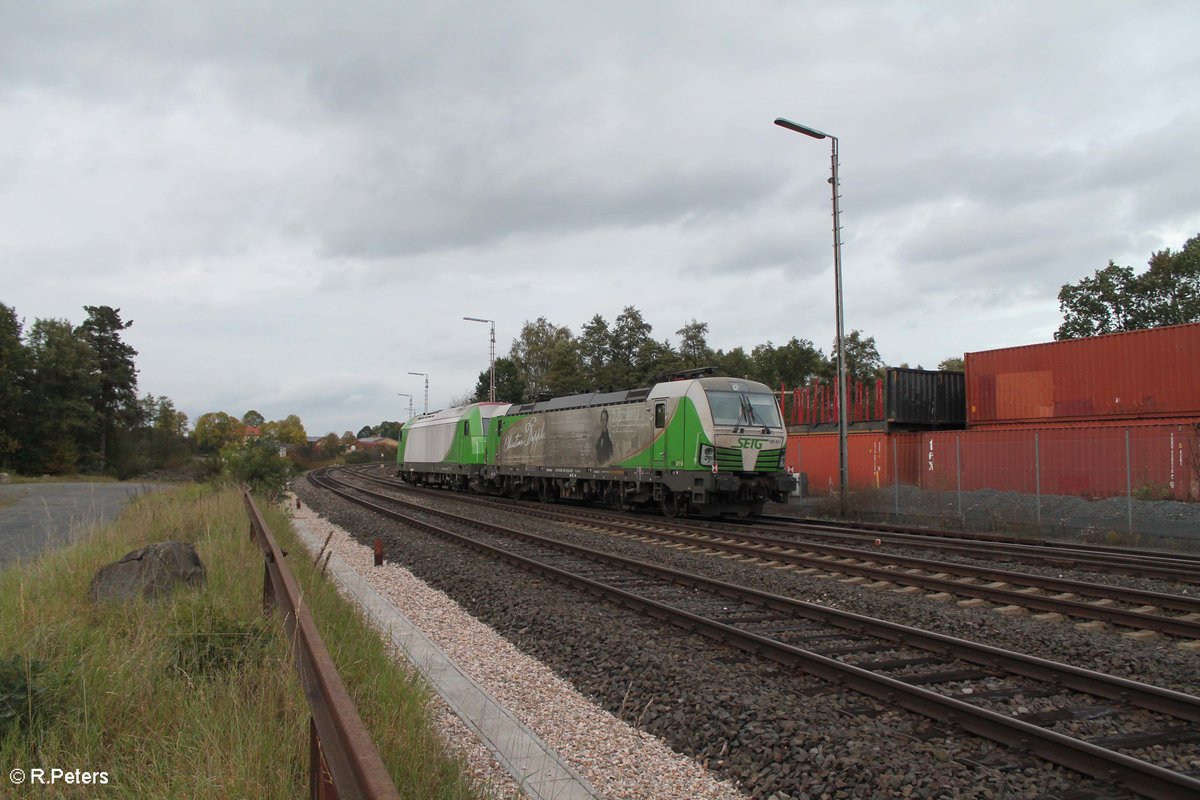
(1136, 735)
(1179, 567)
(1013, 592)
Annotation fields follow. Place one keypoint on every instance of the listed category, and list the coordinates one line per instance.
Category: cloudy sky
(296, 202)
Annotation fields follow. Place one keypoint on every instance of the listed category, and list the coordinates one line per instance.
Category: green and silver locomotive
(701, 446)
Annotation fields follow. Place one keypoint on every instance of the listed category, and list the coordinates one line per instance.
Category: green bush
(386, 455)
(22, 692)
(1152, 490)
(258, 464)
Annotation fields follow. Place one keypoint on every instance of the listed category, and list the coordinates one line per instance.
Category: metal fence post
(1128, 483)
(958, 475)
(896, 476)
(320, 782)
(268, 593)
(1037, 477)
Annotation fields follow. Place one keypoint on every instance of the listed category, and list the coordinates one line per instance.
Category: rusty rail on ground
(344, 763)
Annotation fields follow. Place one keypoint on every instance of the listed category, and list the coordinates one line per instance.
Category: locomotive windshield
(749, 409)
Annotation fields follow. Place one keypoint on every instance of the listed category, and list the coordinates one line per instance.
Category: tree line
(69, 402)
(550, 359)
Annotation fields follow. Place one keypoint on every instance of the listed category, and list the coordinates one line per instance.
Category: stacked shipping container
(1152, 461)
(904, 398)
(1137, 375)
(1106, 416)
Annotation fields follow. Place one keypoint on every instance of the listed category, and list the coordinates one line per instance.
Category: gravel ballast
(775, 733)
(617, 759)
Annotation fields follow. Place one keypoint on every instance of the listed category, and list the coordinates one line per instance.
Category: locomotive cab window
(744, 409)
(660, 415)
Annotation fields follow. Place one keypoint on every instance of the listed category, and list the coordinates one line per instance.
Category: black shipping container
(926, 399)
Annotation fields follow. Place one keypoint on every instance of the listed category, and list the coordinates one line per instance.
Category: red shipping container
(1154, 462)
(871, 459)
(1138, 374)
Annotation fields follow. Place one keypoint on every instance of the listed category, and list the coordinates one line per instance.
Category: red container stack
(1099, 417)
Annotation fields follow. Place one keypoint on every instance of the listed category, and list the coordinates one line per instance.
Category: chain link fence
(1129, 485)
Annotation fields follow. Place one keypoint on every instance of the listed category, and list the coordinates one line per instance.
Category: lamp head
(798, 128)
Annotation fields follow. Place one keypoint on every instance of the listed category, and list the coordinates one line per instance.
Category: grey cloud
(472, 204)
(293, 161)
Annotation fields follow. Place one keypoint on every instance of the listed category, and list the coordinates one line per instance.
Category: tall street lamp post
(409, 396)
(426, 376)
(843, 446)
(492, 355)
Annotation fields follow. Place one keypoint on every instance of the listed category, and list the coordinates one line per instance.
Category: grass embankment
(196, 695)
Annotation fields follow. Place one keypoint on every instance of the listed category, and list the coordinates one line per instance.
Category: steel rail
(1123, 563)
(916, 530)
(1141, 776)
(1162, 565)
(792, 554)
(1174, 626)
(1104, 554)
(344, 763)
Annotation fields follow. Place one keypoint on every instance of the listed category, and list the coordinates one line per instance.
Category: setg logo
(751, 444)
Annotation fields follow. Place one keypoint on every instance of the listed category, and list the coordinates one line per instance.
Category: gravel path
(776, 733)
(35, 516)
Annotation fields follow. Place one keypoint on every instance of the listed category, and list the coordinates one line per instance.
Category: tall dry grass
(195, 695)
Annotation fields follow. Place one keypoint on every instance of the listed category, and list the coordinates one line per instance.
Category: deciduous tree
(546, 359)
(390, 430)
(509, 387)
(595, 344)
(631, 350)
(735, 363)
(216, 430)
(793, 364)
(289, 430)
(1104, 303)
(330, 446)
(863, 362)
(1115, 298)
(693, 345)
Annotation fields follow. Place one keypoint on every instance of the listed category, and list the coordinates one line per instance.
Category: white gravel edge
(617, 759)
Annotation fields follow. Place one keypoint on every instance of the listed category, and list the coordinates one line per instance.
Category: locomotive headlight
(707, 454)
(782, 459)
